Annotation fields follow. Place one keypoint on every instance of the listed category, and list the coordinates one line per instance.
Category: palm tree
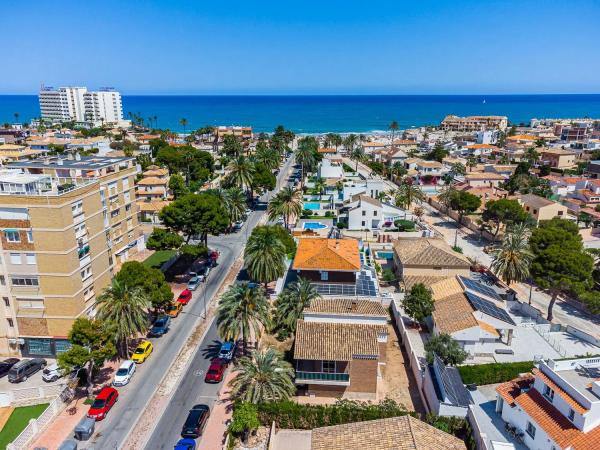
(243, 309)
(336, 140)
(512, 260)
(125, 310)
(16, 117)
(358, 155)
(471, 162)
(320, 185)
(183, 122)
(393, 128)
(264, 257)
(306, 154)
(398, 169)
(350, 143)
(411, 192)
(241, 171)
(235, 201)
(292, 301)
(267, 156)
(286, 203)
(264, 377)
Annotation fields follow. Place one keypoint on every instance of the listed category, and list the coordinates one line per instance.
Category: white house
(329, 169)
(371, 187)
(367, 212)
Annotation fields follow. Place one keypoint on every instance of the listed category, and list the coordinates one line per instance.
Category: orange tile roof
(560, 391)
(151, 181)
(510, 390)
(327, 150)
(327, 254)
(522, 137)
(481, 146)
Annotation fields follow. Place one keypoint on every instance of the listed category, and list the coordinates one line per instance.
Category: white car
(124, 373)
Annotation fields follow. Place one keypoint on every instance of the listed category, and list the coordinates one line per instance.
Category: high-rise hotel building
(77, 103)
(66, 224)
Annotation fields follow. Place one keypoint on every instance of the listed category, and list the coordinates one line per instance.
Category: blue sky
(302, 47)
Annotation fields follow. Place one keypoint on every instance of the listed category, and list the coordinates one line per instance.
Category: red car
(185, 297)
(104, 401)
(215, 371)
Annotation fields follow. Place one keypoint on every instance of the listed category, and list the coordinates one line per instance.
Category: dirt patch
(270, 341)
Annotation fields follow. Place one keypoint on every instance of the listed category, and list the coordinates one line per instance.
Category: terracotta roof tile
(327, 254)
(446, 287)
(428, 252)
(510, 390)
(428, 280)
(346, 306)
(453, 313)
(560, 391)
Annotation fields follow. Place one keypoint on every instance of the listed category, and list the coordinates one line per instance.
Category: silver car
(193, 283)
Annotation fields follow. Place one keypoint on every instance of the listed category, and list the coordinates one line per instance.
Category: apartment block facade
(65, 227)
(474, 123)
(77, 103)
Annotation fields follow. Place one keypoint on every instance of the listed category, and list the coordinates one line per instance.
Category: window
(324, 276)
(12, 236)
(129, 224)
(548, 393)
(127, 197)
(6, 301)
(77, 208)
(30, 236)
(560, 213)
(25, 281)
(127, 207)
(374, 213)
(39, 346)
(364, 213)
(571, 415)
(363, 223)
(86, 273)
(15, 258)
(30, 258)
(125, 183)
(61, 346)
(11, 324)
(328, 366)
(2, 280)
(530, 430)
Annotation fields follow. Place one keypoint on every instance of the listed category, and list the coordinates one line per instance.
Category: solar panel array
(365, 286)
(489, 308)
(452, 382)
(480, 288)
(335, 289)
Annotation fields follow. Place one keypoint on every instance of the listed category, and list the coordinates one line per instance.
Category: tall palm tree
(358, 155)
(183, 122)
(264, 377)
(349, 143)
(411, 192)
(398, 169)
(243, 309)
(320, 185)
(267, 156)
(241, 171)
(286, 203)
(125, 310)
(235, 202)
(512, 260)
(292, 301)
(306, 154)
(16, 117)
(264, 257)
(393, 127)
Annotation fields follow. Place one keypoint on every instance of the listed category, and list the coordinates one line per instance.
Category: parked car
(215, 371)
(193, 283)
(104, 401)
(124, 373)
(227, 351)
(237, 226)
(185, 444)
(6, 365)
(160, 326)
(142, 352)
(195, 422)
(174, 309)
(185, 297)
(53, 373)
(25, 368)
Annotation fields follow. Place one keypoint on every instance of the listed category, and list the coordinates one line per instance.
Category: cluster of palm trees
(408, 192)
(245, 312)
(286, 203)
(264, 256)
(234, 200)
(511, 261)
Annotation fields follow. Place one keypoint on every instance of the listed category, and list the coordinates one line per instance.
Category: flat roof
(581, 379)
(21, 178)
(85, 162)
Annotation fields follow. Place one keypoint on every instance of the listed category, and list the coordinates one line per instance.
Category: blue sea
(335, 113)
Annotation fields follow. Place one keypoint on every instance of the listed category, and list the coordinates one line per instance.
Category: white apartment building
(77, 103)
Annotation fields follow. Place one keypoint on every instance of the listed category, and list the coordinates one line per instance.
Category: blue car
(185, 444)
(161, 326)
(227, 351)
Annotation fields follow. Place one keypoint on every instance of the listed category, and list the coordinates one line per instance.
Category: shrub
(404, 225)
(494, 372)
(307, 212)
(245, 418)
(456, 426)
(457, 249)
(341, 225)
(388, 275)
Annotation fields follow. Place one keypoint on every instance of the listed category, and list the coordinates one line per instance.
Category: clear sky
(301, 47)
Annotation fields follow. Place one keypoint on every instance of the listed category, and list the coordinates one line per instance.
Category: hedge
(456, 426)
(494, 372)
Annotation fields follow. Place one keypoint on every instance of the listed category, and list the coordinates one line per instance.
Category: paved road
(113, 431)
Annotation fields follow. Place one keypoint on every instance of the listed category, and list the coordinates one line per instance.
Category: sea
(328, 113)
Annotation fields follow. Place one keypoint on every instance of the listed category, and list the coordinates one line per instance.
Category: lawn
(17, 422)
(158, 258)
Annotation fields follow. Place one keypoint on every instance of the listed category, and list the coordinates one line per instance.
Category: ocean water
(318, 114)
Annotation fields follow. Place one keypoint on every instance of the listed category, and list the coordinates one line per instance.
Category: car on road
(25, 368)
(237, 226)
(185, 444)
(161, 326)
(193, 283)
(142, 352)
(6, 365)
(124, 373)
(195, 422)
(104, 401)
(174, 309)
(227, 350)
(215, 371)
(185, 297)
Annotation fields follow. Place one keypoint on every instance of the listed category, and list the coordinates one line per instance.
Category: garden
(18, 420)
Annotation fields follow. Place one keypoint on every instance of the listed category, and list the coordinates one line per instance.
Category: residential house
(330, 169)
(420, 167)
(153, 193)
(364, 212)
(339, 345)
(17, 152)
(478, 150)
(541, 208)
(558, 158)
(371, 187)
(593, 169)
(556, 407)
(485, 179)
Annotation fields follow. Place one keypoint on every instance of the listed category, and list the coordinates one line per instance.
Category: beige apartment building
(66, 224)
(474, 123)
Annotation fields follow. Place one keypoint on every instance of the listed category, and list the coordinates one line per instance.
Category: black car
(195, 422)
(6, 365)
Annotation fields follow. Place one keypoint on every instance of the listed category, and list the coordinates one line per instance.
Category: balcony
(338, 379)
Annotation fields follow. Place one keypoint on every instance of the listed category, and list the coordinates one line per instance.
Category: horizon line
(331, 95)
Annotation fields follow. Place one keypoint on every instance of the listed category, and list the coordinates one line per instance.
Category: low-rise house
(593, 169)
(330, 260)
(330, 169)
(558, 158)
(364, 212)
(478, 149)
(371, 187)
(17, 152)
(556, 407)
(541, 208)
(340, 344)
(153, 193)
(485, 179)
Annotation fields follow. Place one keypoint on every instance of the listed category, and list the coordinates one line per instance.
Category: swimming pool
(312, 206)
(314, 226)
(385, 255)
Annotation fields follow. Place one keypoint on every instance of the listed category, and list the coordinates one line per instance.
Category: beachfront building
(65, 229)
(241, 132)
(103, 106)
(474, 123)
(556, 407)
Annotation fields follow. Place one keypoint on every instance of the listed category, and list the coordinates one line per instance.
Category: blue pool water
(312, 206)
(385, 255)
(313, 225)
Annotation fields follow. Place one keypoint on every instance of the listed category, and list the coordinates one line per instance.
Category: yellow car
(142, 352)
(174, 309)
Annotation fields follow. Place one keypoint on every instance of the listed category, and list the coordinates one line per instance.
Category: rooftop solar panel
(480, 288)
(489, 308)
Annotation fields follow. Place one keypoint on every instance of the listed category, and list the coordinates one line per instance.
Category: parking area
(34, 380)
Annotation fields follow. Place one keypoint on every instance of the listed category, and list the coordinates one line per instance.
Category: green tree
(438, 153)
(290, 304)
(410, 192)
(235, 202)
(177, 186)
(585, 218)
(241, 173)
(124, 309)
(464, 203)
(264, 257)
(264, 377)
(393, 127)
(91, 345)
(418, 304)
(444, 346)
(196, 214)
(512, 260)
(151, 282)
(458, 169)
(398, 169)
(263, 179)
(503, 212)
(358, 155)
(286, 203)
(472, 162)
(243, 310)
(183, 122)
(282, 235)
(232, 146)
(161, 239)
(244, 418)
(267, 156)
(350, 142)
(306, 154)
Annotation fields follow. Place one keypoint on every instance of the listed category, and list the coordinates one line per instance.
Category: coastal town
(433, 287)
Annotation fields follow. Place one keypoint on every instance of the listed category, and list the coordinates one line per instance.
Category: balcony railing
(302, 376)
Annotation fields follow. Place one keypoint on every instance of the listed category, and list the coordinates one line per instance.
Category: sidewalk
(216, 428)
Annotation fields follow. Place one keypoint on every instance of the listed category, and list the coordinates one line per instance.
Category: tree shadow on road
(212, 350)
